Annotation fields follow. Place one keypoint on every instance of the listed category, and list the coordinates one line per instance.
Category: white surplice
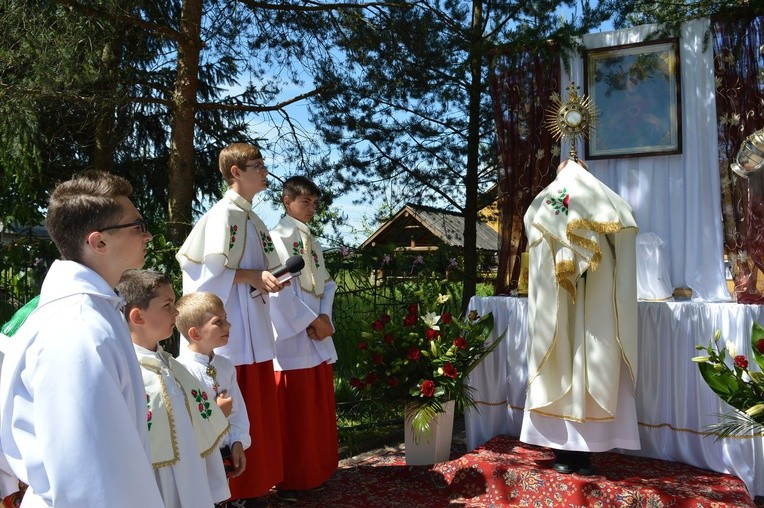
(296, 306)
(73, 403)
(225, 380)
(582, 299)
(228, 237)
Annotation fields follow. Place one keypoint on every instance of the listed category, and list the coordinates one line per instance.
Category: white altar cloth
(674, 404)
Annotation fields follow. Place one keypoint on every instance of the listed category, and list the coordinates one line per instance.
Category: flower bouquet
(737, 386)
(422, 360)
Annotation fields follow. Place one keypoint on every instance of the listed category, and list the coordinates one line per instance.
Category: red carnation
(460, 342)
(741, 361)
(428, 388)
(760, 346)
(388, 339)
(357, 383)
(385, 318)
(450, 371)
(413, 354)
(363, 346)
(376, 358)
(392, 382)
(413, 308)
(370, 378)
(446, 318)
(410, 320)
(377, 325)
(431, 334)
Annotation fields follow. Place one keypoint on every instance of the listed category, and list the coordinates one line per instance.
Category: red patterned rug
(505, 472)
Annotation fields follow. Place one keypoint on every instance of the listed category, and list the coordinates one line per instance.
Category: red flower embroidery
(450, 371)
(148, 415)
(431, 334)
(565, 200)
(428, 388)
(201, 408)
(741, 361)
(460, 342)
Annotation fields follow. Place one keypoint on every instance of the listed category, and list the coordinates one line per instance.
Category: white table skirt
(674, 404)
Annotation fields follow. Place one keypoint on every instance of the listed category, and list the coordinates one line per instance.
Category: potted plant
(736, 385)
(421, 357)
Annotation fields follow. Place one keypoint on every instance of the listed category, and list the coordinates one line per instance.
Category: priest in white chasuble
(582, 320)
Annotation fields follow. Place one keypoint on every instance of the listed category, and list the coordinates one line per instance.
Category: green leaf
(723, 382)
(757, 334)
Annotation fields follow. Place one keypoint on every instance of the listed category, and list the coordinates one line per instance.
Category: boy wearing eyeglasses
(229, 253)
(73, 404)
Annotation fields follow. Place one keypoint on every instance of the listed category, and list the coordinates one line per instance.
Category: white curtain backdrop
(674, 196)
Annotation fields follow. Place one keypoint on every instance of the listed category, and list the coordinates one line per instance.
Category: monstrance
(571, 119)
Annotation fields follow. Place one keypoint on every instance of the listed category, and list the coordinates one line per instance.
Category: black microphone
(290, 268)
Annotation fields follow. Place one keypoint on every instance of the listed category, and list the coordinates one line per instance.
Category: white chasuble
(582, 316)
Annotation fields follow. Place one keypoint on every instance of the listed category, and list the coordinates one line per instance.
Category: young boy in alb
(229, 253)
(202, 321)
(183, 420)
(73, 404)
(302, 320)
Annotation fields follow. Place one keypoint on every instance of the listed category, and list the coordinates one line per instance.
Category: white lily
(431, 319)
(442, 299)
(731, 348)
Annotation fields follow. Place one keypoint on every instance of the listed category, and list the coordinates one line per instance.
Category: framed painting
(636, 91)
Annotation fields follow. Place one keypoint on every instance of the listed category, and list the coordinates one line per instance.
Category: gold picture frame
(636, 90)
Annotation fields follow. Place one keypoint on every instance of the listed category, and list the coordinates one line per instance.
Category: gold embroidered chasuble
(582, 320)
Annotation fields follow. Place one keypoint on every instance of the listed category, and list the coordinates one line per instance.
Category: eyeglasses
(140, 223)
(257, 166)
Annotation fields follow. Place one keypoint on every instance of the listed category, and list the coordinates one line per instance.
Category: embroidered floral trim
(297, 248)
(204, 404)
(315, 258)
(234, 229)
(559, 203)
(267, 242)
(149, 414)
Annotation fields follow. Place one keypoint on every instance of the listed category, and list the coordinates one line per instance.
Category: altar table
(674, 404)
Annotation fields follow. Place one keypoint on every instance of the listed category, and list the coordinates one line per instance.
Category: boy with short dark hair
(73, 404)
(184, 423)
(202, 321)
(302, 321)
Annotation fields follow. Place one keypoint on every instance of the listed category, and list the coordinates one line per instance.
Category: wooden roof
(419, 227)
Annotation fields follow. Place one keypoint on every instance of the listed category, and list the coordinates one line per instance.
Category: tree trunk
(181, 163)
(473, 146)
(103, 137)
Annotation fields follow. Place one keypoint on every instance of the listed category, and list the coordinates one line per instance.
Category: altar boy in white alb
(302, 321)
(582, 320)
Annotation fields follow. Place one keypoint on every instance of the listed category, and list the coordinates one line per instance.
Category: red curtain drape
(739, 68)
(522, 81)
